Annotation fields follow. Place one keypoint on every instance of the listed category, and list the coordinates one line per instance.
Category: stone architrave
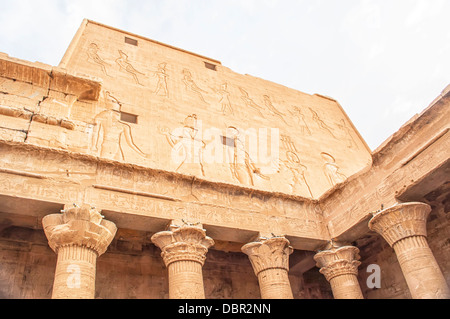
(340, 267)
(184, 250)
(78, 236)
(404, 227)
(270, 260)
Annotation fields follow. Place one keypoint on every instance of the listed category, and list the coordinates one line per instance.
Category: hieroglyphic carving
(187, 148)
(95, 58)
(109, 130)
(161, 86)
(123, 62)
(249, 102)
(191, 85)
(321, 124)
(297, 112)
(348, 134)
(272, 109)
(331, 170)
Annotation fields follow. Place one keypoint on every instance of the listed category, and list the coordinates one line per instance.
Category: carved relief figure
(293, 164)
(190, 85)
(321, 123)
(300, 120)
(241, 165)
(187, 148)
(161, 86)
(298, 171)
(249, 102)
(94, 57)
(122, 61)
(224, 102)
(272, 109)
(109, 130)
(331, 170)
(350, 141)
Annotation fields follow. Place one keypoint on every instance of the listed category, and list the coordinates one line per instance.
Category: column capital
(401, 221)
(338, 261)
(80, 226)
(269, 253)
(184, 242)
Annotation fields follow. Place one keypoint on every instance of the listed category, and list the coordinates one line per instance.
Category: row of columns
(80, 235)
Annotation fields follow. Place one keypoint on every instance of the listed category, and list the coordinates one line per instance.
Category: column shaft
(346, 286)
(422, 273)
(185, 280)
(404, 227)
(184, 249)
(270, 261)
(75, 273)
(274, 284)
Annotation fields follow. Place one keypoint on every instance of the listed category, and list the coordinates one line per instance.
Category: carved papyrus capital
(80, 226)
(401, 221)
(183, 243)
(271, 253)
(338, 261)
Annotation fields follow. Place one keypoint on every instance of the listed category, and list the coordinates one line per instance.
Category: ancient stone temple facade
(135, 169)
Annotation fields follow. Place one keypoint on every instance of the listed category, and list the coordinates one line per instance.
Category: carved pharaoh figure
(331, 170)
(298, 171)
(242, 166)
(161, 86)
(187, 146)
(224, 102)
(109, 130)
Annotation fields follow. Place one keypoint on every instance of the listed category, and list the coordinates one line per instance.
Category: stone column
(340, 267)
(270, 260)
(78, 236)
(404, 228)
(184, 250)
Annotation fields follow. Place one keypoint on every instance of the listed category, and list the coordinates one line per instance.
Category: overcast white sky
(383, 60)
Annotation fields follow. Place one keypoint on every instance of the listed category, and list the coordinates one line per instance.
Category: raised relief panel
(162, 86)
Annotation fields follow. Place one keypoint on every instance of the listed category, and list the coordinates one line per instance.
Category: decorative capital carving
(338, 261)
(269, 253)
(401, 221)
(81, 226)
(183, 243)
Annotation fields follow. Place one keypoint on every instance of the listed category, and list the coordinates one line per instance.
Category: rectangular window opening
(210, 66)
(128, 117)
(131, 41)
(227, 141)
